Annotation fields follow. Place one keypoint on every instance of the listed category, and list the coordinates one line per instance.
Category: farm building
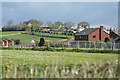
(94, 34)
(6, 43)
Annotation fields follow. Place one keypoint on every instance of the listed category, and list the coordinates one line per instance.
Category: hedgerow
(62, 49)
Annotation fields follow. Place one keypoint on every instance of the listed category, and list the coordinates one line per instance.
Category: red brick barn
(92, 34)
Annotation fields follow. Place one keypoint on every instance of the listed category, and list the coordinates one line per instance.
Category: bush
(16, 41)
(42, 42)
(107, 39)
(109, 51)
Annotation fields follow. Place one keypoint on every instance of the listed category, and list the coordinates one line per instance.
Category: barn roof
(86, 31)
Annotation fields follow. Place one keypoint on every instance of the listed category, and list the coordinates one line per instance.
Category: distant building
(80, 28)
(92, 34)
(6, 43)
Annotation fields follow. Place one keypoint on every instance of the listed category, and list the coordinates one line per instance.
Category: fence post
(114, 46)
(111, 46)
(94, 46)
(85, 44)
(101, 45)
(78, 45)
(68, 44)
(89, 44)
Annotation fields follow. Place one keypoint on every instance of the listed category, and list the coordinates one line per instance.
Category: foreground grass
(26, 38)
(47, 64)
(47, 57)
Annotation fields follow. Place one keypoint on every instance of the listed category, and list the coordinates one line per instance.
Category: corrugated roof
(86, 31)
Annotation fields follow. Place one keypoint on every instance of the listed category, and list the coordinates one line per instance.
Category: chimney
(101, 27)
(110, 30)
(101, 33)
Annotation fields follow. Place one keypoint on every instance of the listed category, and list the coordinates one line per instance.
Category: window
(94, 36)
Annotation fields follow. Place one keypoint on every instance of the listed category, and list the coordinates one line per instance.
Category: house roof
(116, 33)
(86, 31)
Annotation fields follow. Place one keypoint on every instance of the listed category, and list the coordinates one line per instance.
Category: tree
(28, 29)
(62, 28)
(40, 23)
(69, 24)
(10, 22)
(32, 21)
(107, 39)
(25, 23)
(35, 27)
(60, 24)
(57, 25)
(52, 26)
(42, 42)
(84, 24)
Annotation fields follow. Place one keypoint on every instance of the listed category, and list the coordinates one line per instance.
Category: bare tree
(10, 22)
(40, 23)
(84, 24)
(69, 24)
(48, 23)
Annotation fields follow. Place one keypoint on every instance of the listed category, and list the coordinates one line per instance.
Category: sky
(60, 0)
(95, 13)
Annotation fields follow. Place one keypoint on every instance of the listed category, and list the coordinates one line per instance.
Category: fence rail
(89, 44)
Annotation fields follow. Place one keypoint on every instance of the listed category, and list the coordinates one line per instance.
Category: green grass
(26, 38)
(57, 35)
(10, 32)
(48, 57)
(47, 64)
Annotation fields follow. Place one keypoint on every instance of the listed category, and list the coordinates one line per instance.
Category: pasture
(10, 32)
(56, 35)
(26, 38)
(48, 57)
(47, 64)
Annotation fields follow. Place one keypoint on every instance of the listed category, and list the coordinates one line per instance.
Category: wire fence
(89, 44)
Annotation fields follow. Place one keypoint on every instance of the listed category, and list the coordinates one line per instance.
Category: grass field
(48, 34)
(26, 38)
(47, 57)
(46, 64)
(10, 32)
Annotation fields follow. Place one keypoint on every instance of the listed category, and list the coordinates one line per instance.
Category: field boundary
(10, 34)
(47, 36)
(109, 51)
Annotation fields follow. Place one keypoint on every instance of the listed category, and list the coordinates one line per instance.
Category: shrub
(16, 41)
(107, 39)
(42, 42)
(109, 51)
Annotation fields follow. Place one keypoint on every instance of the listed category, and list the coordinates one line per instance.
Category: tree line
(35, 25)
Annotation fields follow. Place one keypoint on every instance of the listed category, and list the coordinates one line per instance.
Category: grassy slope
(11, 32)
(47, 57)
(26, 38)
(48, 34)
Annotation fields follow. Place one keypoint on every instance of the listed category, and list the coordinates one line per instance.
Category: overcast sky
(93, 12)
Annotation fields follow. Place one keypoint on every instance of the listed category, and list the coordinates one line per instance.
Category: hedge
(63, 50)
